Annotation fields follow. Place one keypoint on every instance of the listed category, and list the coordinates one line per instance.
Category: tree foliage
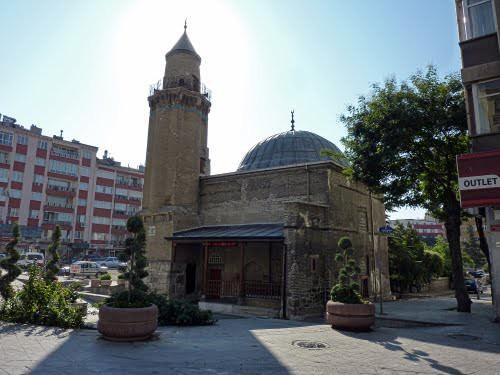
(402, 142)
(52, 268)
(411, 265)
(9, 265)
(135, 253)
(346, 289)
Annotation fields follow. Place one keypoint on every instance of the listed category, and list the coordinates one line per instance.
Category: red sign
(223, 244)
(479, 179)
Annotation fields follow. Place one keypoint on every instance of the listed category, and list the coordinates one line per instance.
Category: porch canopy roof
(241, 232)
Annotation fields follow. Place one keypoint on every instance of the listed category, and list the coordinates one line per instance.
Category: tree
(52, 269)
(411, 264)
(135, 248)
(9, 265)
(402, 142)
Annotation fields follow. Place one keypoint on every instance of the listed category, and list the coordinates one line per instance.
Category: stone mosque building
(259, 240)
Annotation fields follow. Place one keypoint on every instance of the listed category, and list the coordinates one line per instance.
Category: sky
(85, 66)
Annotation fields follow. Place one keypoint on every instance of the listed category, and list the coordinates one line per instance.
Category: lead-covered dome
(288, 148)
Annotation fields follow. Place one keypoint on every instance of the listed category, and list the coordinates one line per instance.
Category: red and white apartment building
(428, 229)
(479, 170)
(49, 181)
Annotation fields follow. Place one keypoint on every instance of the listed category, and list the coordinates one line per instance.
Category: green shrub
(121, 276)
(51, 269)
(43, 302)
(106, 276)
(170, 312)
(346, 290)
(9, 265)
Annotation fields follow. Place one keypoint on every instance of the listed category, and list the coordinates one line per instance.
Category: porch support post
(270, 279)
(242, 272)
(174, 245)
(205, 266)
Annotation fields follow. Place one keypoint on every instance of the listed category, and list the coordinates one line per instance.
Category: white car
(29, 259)
(85, 268)
(112, 262)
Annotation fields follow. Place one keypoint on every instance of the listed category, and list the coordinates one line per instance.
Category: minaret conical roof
(184, 45)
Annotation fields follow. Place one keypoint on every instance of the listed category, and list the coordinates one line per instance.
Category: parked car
(86, 268)
(30, 258)
(472, 285)
(3, 256)
(112, 262)
(477, 274)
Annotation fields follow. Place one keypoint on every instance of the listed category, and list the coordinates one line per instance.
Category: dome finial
(293, 121)
(185, 24)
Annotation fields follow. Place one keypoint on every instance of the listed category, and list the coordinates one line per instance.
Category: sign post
(386, 230)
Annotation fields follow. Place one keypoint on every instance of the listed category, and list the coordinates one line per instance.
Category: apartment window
(120, 222)
(39, 179)
(42, 144)
(82, 202)
(6, 138)
(62, 167)
(4, 158)
(101, 220)
(20, 157)
(120, 206)
(102, 204)
(104, 189)
(479, 19)
(40, 162)
(81, 219)
(87, 154)
(84, 171)
(487, 106)
(64, 152)
(17, 176)
(15, 193)
(36, 196)
(84, 186)
(99, 236)
(4, 175)
(13, 211)
(34, 214)
(78, 235)
(22, 139)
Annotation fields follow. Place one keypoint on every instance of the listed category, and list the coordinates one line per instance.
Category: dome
(288, 148)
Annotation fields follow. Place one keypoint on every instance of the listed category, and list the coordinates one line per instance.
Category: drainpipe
(283, 283)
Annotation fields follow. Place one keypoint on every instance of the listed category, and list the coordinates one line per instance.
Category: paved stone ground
(268, 346)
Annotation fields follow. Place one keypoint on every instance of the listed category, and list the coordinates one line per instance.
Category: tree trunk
(452, 225)
(483, 245)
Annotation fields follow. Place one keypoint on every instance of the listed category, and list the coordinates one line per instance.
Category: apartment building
(479, 170)
(428, 229)
(50, 181)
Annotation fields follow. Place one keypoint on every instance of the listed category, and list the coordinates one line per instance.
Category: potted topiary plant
(105, 279)
(347, 309)
(122, 280)
(128, 315)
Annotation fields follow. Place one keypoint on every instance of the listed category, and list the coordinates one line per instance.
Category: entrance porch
(230, 267)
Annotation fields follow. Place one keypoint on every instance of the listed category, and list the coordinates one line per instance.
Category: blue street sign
(386, 230)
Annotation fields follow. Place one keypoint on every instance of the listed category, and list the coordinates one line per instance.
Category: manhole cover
(463, 337)
(314, 345)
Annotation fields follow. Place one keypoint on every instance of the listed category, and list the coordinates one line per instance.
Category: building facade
(428, 229)
(479, 171)
(262, 238)
(49, 181)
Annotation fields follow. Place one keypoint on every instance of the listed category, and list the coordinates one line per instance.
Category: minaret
(177, 155)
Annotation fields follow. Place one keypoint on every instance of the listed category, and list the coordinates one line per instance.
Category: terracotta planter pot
(95, 283)
(127, 324)
(356, 317)
(106, 282)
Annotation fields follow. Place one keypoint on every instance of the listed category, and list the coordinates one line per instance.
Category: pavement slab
(264, 346)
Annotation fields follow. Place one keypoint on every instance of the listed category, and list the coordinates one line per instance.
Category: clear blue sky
(85, 65)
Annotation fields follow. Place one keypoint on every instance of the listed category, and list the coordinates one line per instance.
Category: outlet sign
(479, 179)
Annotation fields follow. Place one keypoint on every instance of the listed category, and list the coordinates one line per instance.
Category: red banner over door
(479, 179)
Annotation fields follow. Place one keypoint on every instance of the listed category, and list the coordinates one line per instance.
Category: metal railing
(67, 189)
(253, 289)
(181, 81)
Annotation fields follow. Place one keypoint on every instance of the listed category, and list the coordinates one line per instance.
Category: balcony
(62, 191)
(58, 207)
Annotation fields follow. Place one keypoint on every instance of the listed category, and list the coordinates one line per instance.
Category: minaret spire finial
(185, 24)
(293, 121)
